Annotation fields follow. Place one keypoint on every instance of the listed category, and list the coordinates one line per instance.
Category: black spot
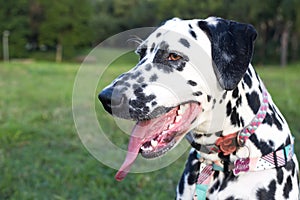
(230, 198)
(153, 78)
(184, 42)
(192, 83)
(140, 79)
(268, 120)
(277, 122)
(208, 98)
(214, 187)
(224, 95)
(290, 166)
(279, 175)
(158, 34)
(193, 34)
(253, 101)
(227, 180)
(287, 187)
(216, 174)
(264, 147)
(275, 117)
(247, 80)
(192, 168)
(267, 194)
(272, 118)
(140, 110)
(243, 85)
(148, 67)
(197, 136)
(135, 86)
(152, 47)
(271, 143)
(260, 89)
(191, 171)
(242, 121)
(228, 108)
(190, 26)
(278, 115)
(196, 145)
(192, 178)
(125, 77)
(154, 103)
(235, 118)
(235, 92)
(199, 93)
(181, 66)
(144, 85)
(238, 101)
(181, 184)
(257, 77)
(214, 103)
(250, 73)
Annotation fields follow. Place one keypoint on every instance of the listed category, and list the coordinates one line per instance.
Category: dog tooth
(179, 112)
(154, 143)
(182, 109)
(178, 118)
(164, 132)
(171, 126)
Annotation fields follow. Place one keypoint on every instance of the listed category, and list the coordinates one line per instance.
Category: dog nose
(110, 97)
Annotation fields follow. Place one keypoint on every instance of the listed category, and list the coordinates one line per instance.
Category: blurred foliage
(41, 25)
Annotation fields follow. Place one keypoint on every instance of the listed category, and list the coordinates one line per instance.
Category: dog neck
(232, 110)
(240, 107)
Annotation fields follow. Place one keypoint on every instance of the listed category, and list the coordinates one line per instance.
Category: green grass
(41, 156)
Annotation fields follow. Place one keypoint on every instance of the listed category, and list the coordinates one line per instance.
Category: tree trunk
(58, 57)
(284, 42)
(295, 47)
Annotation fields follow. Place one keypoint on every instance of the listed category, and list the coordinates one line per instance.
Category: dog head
(183, 65)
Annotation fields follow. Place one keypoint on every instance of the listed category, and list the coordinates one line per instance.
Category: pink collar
(229, 143)
(258, 119)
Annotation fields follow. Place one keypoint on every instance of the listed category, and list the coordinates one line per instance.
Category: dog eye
(174, 57)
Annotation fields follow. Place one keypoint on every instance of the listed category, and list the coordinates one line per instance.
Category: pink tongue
(141, 133)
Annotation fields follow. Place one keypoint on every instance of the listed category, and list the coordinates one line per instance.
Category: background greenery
(38, 27)
(41, 156)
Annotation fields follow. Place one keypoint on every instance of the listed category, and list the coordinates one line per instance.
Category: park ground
(42, 157)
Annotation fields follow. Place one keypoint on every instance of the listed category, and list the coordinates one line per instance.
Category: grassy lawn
(41, 156)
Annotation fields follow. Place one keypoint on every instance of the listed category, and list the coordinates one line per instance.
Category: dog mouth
(154, 137)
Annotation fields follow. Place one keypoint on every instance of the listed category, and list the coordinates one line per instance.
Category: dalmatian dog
(194, 80)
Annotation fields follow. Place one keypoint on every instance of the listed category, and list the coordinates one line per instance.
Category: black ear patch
(232, 49)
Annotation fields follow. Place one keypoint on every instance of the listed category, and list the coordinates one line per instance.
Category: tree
(13, 17)
(65, 25)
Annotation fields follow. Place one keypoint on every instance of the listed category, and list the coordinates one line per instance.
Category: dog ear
(232, 48)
